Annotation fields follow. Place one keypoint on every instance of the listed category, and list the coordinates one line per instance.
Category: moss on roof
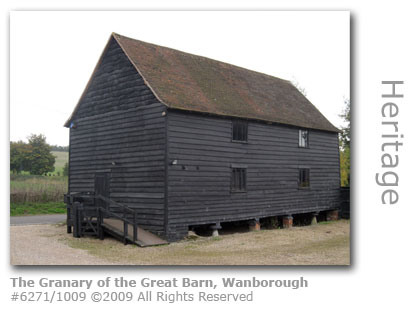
(189, 82)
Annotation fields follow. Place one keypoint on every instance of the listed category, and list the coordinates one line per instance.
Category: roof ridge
(186, 81)
(199, 56)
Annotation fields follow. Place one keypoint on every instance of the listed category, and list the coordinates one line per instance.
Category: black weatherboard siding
(199, 185)
(115, 85)
(119, 128)
(139, 137)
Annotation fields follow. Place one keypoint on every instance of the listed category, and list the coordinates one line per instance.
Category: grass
(22, 209)
(30, 195)
(35, 189)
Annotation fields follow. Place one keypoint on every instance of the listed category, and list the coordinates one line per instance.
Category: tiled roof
(189, 82)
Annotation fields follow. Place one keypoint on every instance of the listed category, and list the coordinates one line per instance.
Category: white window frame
(303, 138)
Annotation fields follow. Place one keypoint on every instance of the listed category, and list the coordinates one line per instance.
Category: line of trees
(59, 148)
(34, 157)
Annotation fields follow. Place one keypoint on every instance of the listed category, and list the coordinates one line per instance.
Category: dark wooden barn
(170, 140)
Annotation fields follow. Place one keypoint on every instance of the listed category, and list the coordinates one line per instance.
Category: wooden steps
(145, 238)
(85, 216)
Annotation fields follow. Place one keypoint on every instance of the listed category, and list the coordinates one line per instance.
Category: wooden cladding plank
(117, 115)
(199, 185)
(115, 85)
(137, 195)
(129, 135)
(120, 129)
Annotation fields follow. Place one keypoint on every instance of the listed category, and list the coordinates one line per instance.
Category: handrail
(104, 210)
(115, 214)
(112, 202)
(125, 220)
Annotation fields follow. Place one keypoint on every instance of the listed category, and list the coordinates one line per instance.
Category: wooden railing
(76, 214)
(127, 222)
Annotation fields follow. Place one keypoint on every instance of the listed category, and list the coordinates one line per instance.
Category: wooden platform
(145, 238)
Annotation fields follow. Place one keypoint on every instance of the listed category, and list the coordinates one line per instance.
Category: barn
(163, 141)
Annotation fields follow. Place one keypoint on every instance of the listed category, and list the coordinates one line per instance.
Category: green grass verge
(23, 209)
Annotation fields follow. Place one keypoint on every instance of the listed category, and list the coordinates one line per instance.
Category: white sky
(52, 55)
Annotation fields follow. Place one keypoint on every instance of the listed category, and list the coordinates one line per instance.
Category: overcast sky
(53, 54)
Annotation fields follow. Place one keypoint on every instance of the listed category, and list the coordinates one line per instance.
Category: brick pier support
(332, 215)
(288, 222)
(254, 225)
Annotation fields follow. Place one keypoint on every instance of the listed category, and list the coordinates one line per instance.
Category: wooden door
(102, 187)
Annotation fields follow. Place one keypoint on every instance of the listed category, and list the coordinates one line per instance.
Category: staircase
(89, 214)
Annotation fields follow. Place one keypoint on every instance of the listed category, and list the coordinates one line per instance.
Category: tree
(65, 170)
(41, 160)
(345, 166)
(344, 143)
(299, 87)
(346, 131)
(19, 156)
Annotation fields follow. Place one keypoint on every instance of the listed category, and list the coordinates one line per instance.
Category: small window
(239, 130)
(304, 178)
(238, 179)
(303, 138)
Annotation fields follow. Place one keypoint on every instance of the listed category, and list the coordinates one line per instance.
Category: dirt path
(322, 244)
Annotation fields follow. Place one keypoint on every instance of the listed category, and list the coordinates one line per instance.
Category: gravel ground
(322, 244)
(44, 245)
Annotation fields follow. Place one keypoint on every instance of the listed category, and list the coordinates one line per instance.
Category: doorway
(102, 187)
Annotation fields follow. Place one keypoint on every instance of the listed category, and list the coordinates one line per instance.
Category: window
(238, 179)
(304, 178)
(303, 138)
(239, 130)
